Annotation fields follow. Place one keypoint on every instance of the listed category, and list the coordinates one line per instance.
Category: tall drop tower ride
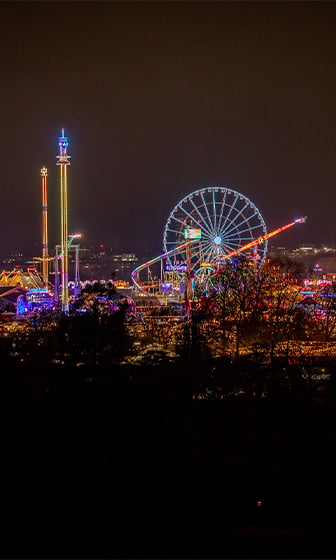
(63, 160)
(45, 256)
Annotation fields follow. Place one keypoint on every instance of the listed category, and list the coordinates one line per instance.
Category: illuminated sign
(207, 264)
(192, 233)
(175, 267)
(38, 290)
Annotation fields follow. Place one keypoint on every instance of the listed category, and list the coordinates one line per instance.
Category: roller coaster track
(253, 243)
(10, 291)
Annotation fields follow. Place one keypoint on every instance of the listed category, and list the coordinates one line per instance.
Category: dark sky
(159, 99)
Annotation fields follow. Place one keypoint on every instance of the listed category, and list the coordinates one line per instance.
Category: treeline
(252, 334)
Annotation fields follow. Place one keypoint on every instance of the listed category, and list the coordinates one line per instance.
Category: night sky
(159, 99)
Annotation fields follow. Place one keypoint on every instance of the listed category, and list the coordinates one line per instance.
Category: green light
(192, 233)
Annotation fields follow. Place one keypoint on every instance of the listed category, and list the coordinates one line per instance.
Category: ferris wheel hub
(218, 240)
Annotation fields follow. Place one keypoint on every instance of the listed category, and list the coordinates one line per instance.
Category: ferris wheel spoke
(236, 232)
(257, 226)
(201, 217)
(180, 257)
(206, 249)
(234, 237)
(207, 211)
(222, 210)
(179, 232)
(239, 214)
(192, 218)
(201, 250)
(248, 219)
(222, 233)
(170, 245)
(210, 254)
(229, 215)
(216, 252)
(207, 252)
(236, 226)
(178, 220)
(194, 265)
(245, 239)
(214, 209)
(230, 246)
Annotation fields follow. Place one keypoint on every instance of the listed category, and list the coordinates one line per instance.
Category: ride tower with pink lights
(45, 255)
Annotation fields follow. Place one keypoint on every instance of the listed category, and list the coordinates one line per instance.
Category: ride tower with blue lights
(63, 160)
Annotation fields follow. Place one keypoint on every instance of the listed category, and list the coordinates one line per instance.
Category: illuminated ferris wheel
(218, 221)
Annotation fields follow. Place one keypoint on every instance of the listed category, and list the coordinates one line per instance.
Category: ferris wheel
(220, 220)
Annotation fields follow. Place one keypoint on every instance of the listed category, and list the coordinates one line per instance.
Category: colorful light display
(190, 278)
(194, 233)
(175, 267)
(220, 218)
(261, 239)
(35, 300)
(44, 174)
(166, 287)
(63, 160)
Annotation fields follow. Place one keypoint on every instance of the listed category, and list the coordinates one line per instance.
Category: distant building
(99, 262)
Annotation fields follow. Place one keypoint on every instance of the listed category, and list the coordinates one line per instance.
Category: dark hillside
(108, 469)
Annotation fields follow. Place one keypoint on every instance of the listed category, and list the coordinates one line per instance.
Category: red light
(101, 246)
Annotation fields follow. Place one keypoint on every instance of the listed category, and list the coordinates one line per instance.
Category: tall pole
(76, 290)
(56, 281)
(63, 160)
(45, 256)
(187, 286)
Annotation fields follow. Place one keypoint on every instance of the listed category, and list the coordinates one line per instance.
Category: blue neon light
(175, 267)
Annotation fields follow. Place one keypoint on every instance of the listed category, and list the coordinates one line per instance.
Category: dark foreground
(104, 472)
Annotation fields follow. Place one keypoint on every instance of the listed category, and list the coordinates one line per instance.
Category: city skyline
(158, 100)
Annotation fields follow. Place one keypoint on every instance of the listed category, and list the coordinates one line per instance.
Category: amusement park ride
(204, 230)
(47, 296)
